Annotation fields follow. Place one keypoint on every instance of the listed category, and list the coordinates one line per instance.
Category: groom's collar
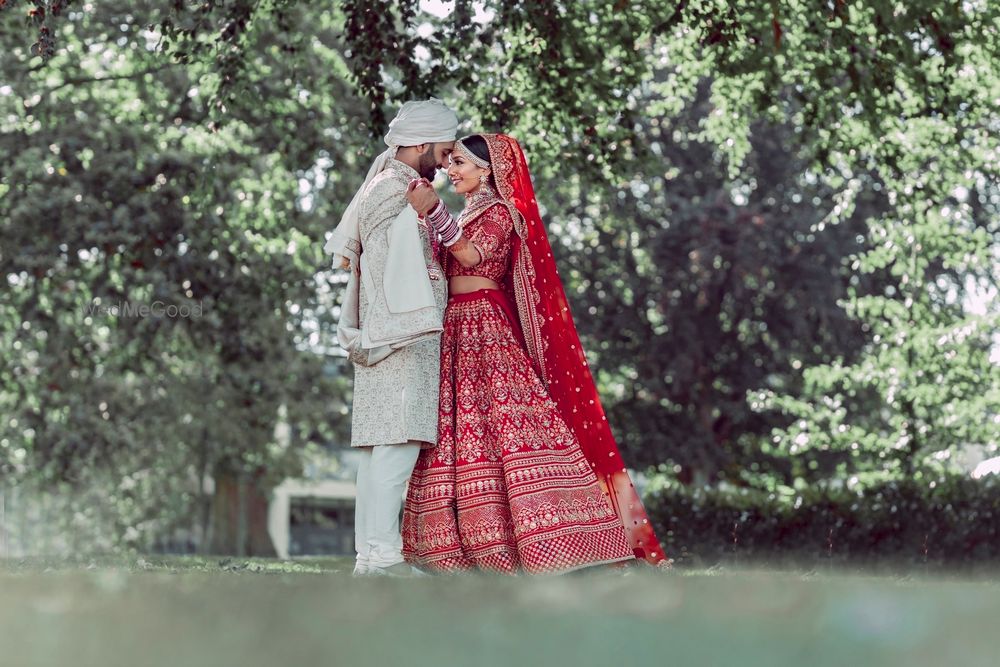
(403, 169)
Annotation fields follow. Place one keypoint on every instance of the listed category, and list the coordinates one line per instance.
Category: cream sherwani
(395, 399)
(390, 326)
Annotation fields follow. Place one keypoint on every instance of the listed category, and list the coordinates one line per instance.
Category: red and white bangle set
(441, 220)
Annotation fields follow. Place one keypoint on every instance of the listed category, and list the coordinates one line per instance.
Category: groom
(391, 326)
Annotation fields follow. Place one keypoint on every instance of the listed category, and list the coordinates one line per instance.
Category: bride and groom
(471, 384)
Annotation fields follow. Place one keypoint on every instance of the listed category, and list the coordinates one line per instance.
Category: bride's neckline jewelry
(477, 202)
(484, 191)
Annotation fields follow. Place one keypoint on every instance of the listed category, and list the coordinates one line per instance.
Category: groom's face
(434, 158)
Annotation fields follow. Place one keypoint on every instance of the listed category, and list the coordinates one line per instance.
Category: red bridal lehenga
(526, 476)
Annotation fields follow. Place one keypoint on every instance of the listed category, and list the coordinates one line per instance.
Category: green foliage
(927, 366)
(935, 520)
(693, 289)
(116, 190)
(769, 218)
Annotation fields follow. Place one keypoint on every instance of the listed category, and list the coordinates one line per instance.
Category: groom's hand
(420, 193)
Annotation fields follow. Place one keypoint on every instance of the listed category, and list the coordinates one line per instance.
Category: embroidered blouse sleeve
(491, 230)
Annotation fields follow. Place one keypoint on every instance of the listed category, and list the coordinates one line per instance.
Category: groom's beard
(428, 165)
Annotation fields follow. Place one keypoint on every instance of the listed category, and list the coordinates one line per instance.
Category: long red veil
(554, 346)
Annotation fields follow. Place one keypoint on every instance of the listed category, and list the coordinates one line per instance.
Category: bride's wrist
(434, 209)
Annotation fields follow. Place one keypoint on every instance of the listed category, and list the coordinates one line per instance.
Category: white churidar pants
(382, 476)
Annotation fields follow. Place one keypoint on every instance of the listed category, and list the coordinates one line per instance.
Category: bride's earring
(482, 179)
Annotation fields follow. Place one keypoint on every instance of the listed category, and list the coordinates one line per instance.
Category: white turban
(416, 123)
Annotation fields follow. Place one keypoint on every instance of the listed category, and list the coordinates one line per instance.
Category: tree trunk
(205, 501)
(239, 516)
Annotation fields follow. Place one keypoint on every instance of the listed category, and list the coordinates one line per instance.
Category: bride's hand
(420, 193)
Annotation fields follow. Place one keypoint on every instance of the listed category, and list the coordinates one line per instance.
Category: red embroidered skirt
(507, 489)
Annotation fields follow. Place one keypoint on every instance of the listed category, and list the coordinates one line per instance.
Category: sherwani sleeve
(376, 210)
(395, 261)
(380, 206)
(397, 303)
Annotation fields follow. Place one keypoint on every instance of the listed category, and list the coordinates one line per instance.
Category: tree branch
(83, 80)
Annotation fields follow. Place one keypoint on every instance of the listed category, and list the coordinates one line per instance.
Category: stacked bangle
(442, 221)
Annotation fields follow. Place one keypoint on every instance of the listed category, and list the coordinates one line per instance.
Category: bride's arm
(441, 220)
(427, 204)
(466, 253)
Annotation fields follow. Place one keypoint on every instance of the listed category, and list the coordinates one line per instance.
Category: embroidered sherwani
(396, 399)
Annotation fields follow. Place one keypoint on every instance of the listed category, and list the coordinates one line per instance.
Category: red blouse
(490, 233)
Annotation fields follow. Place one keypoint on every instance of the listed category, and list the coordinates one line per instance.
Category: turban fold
(416, 123)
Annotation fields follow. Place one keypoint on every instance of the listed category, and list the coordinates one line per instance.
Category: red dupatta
(554, 346)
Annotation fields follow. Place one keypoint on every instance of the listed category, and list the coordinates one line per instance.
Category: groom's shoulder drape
(396, 305)
(381, 202)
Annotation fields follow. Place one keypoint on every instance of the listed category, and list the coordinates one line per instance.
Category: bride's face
(464, 175)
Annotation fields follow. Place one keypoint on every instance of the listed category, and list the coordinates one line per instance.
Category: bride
(526, 476)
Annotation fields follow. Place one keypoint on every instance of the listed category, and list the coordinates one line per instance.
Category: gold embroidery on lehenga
(508, 487)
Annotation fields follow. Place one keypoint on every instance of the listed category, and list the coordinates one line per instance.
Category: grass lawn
(184, 612)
